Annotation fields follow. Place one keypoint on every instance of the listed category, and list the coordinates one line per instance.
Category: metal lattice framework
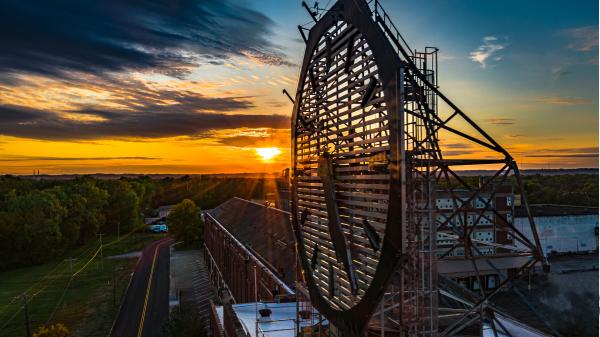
(369, 168)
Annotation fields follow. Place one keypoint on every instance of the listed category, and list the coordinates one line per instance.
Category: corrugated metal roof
(264, 230)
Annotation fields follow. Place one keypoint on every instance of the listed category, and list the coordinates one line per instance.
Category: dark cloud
(457, 153)
(501, 121)
(58, 38)
(575, 152)
(42, 158)
(241, 141)
(145, 121)
(457, 145)
(573, 155)
(277, 138)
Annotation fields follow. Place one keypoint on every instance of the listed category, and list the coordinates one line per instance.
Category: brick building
(247, 241)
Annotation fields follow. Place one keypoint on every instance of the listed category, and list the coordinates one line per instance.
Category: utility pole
(114, 286)
(101, 251)
(71, 264)
(27, 323)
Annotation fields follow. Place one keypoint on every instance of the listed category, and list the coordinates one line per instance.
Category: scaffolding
(428, 199)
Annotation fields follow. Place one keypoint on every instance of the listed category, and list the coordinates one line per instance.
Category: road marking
(141, 328)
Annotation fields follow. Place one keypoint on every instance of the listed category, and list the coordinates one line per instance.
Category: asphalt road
(146, 304)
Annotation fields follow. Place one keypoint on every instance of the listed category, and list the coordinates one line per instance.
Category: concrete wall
(563, 234)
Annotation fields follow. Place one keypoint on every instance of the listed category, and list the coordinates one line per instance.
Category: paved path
(146, 304)
(189, 276)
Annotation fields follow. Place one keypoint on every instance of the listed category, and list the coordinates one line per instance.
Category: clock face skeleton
(367, 165)
(344, 137)
(340, 124)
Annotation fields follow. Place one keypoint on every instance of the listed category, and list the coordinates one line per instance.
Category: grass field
(81, 296)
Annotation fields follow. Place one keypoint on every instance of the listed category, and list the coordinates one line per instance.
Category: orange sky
(206, 110)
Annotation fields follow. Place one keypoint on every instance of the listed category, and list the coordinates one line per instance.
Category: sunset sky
(195, 86)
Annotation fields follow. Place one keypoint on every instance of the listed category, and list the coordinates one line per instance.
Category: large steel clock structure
(368, 160)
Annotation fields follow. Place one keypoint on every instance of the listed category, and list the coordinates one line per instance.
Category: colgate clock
(346, 142)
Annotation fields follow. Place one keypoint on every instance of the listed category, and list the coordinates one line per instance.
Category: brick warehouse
(243, 238)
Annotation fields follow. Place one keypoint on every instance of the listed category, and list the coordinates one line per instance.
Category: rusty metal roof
(266, 231)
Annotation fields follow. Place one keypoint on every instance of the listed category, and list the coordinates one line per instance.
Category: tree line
(563, 189)
(567, 189)
(41, 219)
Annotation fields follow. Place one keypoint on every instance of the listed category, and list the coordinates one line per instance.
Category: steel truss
(420, 300)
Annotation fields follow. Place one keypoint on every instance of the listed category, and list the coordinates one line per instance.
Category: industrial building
(249, 251)
(562, 229)
(493, 206)
(235, 247)
(250, 255)
(388, 239)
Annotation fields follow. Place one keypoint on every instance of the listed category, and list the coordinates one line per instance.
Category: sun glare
(267, 153)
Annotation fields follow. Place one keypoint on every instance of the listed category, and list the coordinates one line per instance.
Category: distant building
(499, 209)
(245, 241)
(487, 213)
(561, 229)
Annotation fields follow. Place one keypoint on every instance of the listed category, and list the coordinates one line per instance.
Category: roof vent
(265, 313)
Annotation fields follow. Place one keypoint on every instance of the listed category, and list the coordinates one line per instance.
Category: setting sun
(267, 153)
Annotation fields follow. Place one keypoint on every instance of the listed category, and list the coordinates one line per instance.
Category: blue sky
(164, 83)
(542, 73)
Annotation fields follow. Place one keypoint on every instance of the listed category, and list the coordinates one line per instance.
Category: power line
(47, 279)
(46, 286)
(64, 293)
(101, 252)
(71, 264)
(50, 277)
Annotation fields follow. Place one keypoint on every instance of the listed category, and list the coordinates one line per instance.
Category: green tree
(185, 222)
(146, 189)
(30, 227)
(54, 330)
(85, 203)
(123, 208)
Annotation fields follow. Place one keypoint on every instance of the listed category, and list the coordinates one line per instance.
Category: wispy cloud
(488, 51)
(501, 121)
(572, 150)
(558, 100)
(265, 137)
(9, 158)
(566, 155)
(457, 145)
(457, 152)
(576, 152)
(582, 38)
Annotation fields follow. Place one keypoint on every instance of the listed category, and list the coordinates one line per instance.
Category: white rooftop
(281, 323)
(506, 327)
